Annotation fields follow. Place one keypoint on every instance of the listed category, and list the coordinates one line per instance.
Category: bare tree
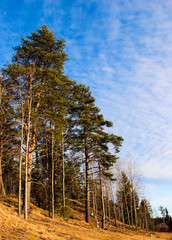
(135, 178)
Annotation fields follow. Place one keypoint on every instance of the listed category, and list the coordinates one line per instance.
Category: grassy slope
(40, 226)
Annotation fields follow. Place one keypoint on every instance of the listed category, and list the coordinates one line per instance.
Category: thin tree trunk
(113, 204)
(119, 212)
(146, 222)
(20, 163)
(52, 174)
(131, 206)
(94, 198)
(114, 210)
(93, 189)
(109, 208)
(37, 158)
(29, 101)
(122, 213)
(96, 215)
(135, 211)
(32, 147)
(2, 189)
(48, 177)
(63, 172)
(30, 161)
(108, 204)
(122, 210)
(126, 204)
(102, 198)
(87, 201)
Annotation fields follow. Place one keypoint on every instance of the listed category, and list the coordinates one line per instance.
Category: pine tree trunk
(122, 211)
(102, 198)
(30, 162)
(94, 198)
(135, 211)
(26, 177)
(95, 194)
(113, 204)
(126, 204)
(93, 191)
(131, 206)
(63, 172)
(29, 104)
(87, 201)
(119, 212)
(2, 189)
(32, 145)
(114, 210)
(52, 174)
(146, 222)
(20, 163)
(109, 208)
(48, 177)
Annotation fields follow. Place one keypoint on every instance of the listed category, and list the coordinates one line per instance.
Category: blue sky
(123, 51)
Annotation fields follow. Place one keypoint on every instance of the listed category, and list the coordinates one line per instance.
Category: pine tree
(37, 66)
(57, 127)
(91, 139)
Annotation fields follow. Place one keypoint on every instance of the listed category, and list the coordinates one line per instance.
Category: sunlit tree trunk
(29, 104)
(20, 163)
(52, 174)
(48, 177)
(87, 201)
(109, 210)
(32, 148)
(108, 203)
(94, 198)
(63, 171)
(102, 198)
(2, 189)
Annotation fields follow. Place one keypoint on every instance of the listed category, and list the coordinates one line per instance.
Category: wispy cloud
(138, 95)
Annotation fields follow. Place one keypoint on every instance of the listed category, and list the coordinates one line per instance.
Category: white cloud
(137, 94)
(108, 69)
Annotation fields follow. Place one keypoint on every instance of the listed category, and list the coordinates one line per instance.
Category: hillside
(40, 226)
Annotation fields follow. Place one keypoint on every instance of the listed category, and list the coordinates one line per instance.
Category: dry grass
(39, 226)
